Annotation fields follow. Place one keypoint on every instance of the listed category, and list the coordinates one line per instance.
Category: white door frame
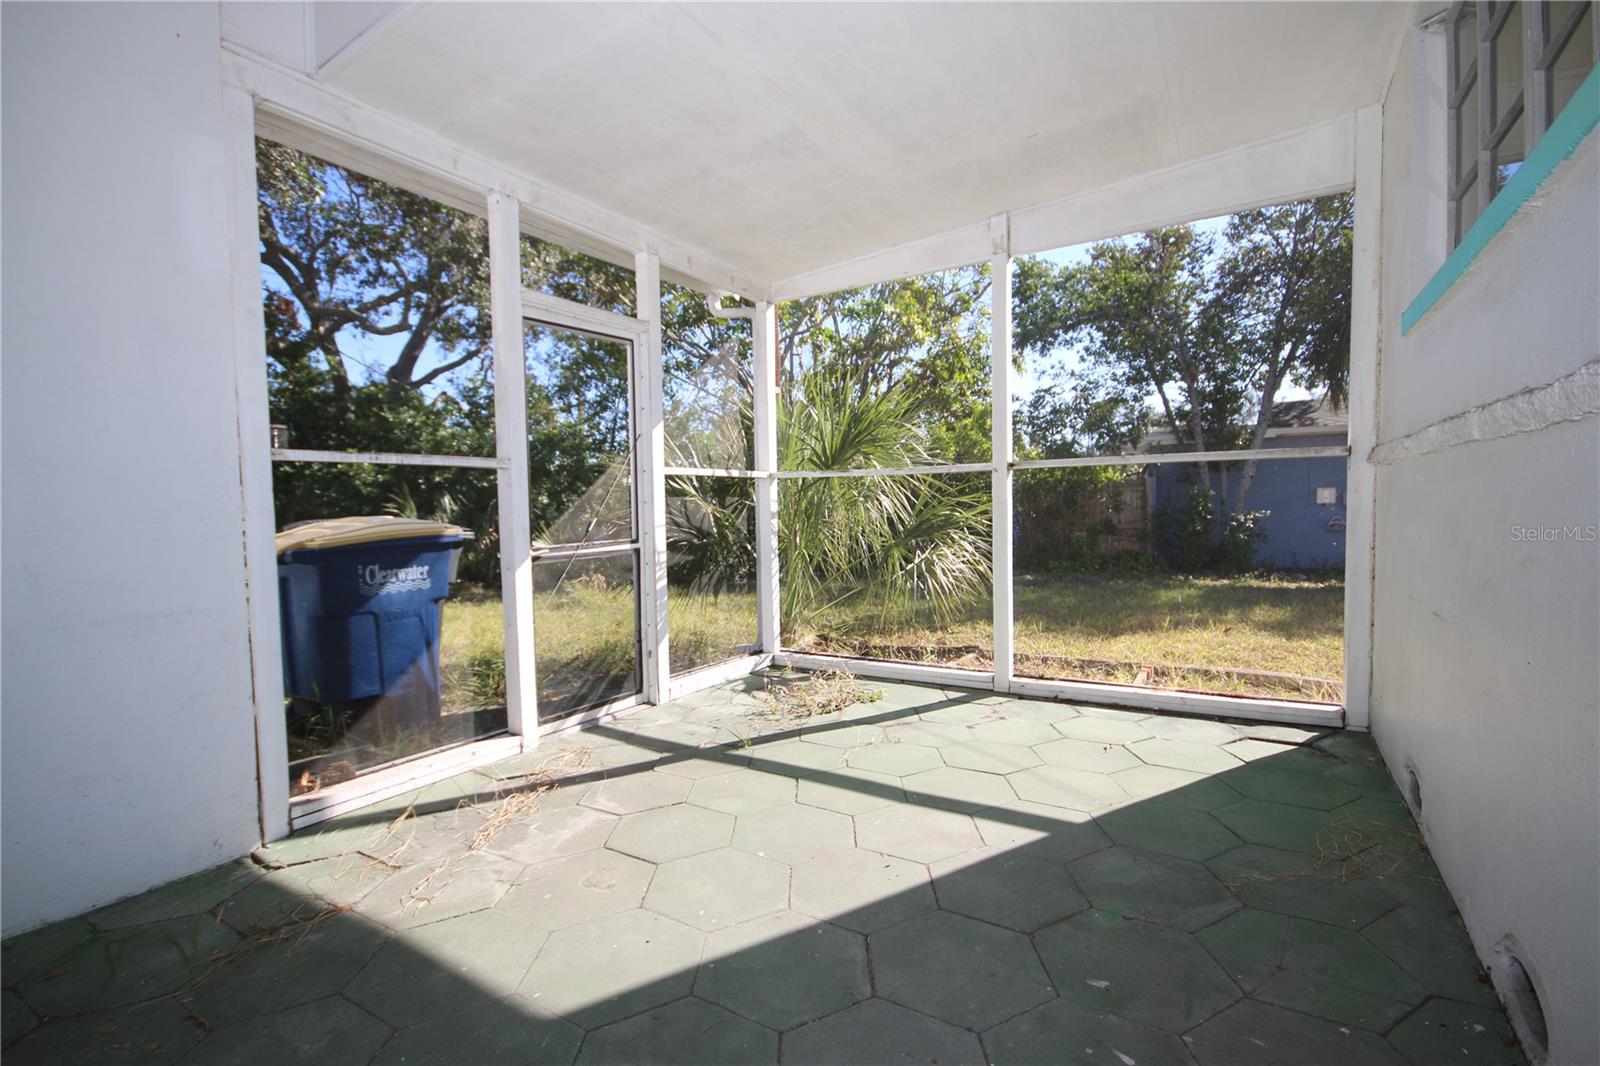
(649, 480)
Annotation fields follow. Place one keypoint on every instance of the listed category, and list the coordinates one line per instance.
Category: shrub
(1187, 533)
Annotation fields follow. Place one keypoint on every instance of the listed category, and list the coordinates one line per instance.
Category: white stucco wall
(1485, 643)
(127, 729)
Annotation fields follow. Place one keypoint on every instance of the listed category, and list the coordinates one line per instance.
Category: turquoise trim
(1569, 129)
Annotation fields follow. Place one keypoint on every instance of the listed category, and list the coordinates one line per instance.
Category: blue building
(1304, 499)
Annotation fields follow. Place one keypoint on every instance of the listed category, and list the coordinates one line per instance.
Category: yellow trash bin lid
(362, 529)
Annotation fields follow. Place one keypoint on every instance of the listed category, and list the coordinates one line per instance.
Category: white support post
(764, 345)
(1361, 478)
(650, 457)
(1000, 445)
(255, 467)
(511, 478)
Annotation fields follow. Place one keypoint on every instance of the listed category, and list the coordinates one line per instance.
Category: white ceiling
(788, 137)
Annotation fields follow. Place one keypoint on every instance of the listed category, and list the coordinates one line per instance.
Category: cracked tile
(325, 956)
(115, 969)
(155, 1032)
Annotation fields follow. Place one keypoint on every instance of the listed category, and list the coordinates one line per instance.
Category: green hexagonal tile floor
(932, 875)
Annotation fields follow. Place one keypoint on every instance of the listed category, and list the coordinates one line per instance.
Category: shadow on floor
(951, 877)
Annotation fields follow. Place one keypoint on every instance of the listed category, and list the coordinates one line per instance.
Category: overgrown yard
(1259, 636)
(1263, 636)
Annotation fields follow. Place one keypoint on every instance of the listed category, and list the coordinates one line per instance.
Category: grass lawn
(1247, 635)
(584, 643)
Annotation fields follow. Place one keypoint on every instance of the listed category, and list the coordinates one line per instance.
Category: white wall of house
(128, 736)
(1484, 675)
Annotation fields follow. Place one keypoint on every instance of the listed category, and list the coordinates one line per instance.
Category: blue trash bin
(361, 605)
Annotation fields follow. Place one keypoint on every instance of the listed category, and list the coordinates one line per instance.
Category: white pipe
(714, 305)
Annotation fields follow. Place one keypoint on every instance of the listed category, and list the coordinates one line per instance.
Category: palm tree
(860, 551)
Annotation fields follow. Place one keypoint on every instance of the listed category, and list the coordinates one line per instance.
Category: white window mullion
(764, 344)
(511, 476)
(1000, 445)
(650, 453)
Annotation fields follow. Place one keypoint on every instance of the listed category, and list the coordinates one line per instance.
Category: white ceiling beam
(381, 24)
(1311, 162)
(1315, 161)
(315, 118)
(969, 244)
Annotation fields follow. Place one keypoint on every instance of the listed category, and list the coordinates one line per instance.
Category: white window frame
(1050, 227)
(644, 368)
(1541, 44)
(1327, 158)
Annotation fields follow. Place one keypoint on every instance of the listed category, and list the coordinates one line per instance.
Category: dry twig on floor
(821, 692)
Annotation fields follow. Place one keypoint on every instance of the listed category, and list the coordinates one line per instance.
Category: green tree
(914, 543)
(362, 257)
(379, 340)
(1287, 269)
(928, 334)
(1210, 329)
